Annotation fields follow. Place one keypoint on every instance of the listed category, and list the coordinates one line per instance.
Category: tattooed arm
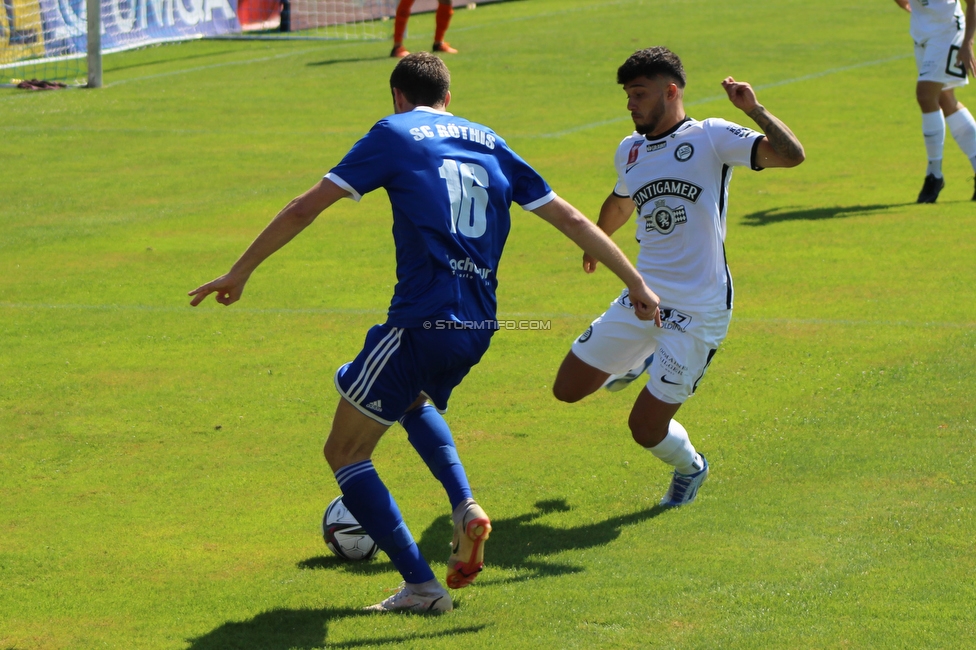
(780, 148)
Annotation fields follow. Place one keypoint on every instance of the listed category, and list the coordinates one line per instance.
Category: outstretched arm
(780, 148)
(293, 219)
(904, 4)
(572, 223)
(614, 213)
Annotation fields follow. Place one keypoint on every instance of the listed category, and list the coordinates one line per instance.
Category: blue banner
(127, 24)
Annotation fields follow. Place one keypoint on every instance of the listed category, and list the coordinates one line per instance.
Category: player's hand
(966, 60)
(740, 94)
(646, 303)
(589, 263)
(227, 287)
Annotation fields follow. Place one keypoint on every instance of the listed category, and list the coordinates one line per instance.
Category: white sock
(458, 515)
(676, 450)
(933, 130)
(962, 126)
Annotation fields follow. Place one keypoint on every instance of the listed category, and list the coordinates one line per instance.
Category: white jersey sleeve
(628, 149)
(734, 145)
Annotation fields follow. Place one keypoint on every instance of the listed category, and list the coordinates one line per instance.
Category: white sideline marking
(508, 315)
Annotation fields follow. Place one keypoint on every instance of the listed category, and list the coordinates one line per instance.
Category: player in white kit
(943, 37)
(675, 172)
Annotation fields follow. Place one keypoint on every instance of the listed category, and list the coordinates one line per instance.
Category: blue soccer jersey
(451, 183)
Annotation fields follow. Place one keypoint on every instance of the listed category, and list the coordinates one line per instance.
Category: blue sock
(374, 508)
(431, 437)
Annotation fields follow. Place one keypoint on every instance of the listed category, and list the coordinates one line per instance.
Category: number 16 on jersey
(466, 187)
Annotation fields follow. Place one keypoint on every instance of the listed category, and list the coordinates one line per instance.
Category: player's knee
(341, 452)
(927, 100)
(565, 392)
(646, 434)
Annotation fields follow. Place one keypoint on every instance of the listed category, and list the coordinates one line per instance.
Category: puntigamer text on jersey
(666, 187)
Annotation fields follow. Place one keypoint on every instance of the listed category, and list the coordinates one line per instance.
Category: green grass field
(161, 478)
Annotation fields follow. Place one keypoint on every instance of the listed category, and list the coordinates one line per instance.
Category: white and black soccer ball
(343, 534)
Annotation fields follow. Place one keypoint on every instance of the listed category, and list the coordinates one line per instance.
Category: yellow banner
(21, 34)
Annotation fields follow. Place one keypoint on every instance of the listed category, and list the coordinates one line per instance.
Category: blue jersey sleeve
(529, 189)
(367, 166)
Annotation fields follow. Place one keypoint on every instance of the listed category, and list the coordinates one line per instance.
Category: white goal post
(56, 40)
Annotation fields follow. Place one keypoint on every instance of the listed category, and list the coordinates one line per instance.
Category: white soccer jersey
(679, 182)
(931, 17)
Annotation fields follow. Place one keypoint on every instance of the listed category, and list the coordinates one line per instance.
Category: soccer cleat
(444, 47)
(398, 52)
(468, 548)
(619, 382)
(684, 487)
(974, 188)
(405, 599)
(930, 189)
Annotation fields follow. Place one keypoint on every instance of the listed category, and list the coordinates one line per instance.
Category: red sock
(444, 13)
(400, 25)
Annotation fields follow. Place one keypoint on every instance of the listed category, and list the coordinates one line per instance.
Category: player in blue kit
(451, 183)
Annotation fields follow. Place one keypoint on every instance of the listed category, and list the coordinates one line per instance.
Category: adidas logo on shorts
(375, 405)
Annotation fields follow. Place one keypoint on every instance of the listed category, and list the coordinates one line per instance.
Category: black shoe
(930, 189)
(974, 188)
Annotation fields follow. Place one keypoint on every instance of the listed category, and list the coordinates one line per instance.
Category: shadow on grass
(357, 60)
(515, 543)
(304, 629)
(778, 215)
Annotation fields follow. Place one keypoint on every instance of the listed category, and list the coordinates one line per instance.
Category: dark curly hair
(650, 63)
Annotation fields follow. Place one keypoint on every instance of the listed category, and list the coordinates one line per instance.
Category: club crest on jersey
(585, 336)
(663, 219)
(684, 152)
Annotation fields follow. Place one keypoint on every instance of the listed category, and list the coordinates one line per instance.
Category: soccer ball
(343, 534)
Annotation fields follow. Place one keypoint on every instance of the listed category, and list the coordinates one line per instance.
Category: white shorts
(935, 58)
(618, 342)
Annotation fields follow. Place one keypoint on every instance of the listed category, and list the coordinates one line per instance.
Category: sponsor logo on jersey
(672, 319)
(657, 146)
(740, 131)
(670, 366)
(466, 269)
(663, 218)
(585, 336)
(666, 187)
(634, 152)
(684, 152)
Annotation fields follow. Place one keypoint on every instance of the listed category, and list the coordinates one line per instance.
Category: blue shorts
(398, 365)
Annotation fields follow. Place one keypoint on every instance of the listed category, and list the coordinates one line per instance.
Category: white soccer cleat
(468, 547)
(684, 487)
(619, 382)
(405, 599)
